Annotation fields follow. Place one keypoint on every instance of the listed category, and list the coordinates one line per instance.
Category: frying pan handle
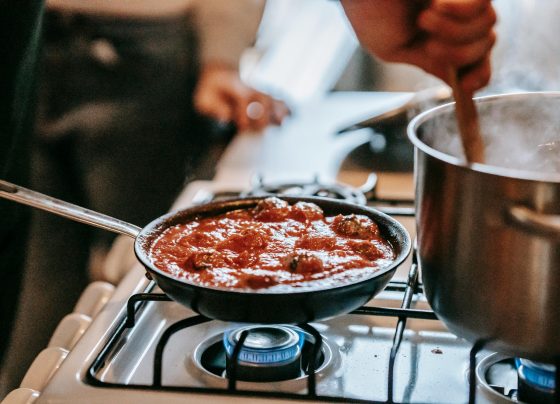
(66, 209)
(535, 221)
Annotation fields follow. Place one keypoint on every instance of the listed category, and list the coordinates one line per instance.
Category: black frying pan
(259, 306)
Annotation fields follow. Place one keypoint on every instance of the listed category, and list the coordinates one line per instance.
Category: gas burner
(496, 378)
(536, 381)
(317, 188)
(270, 353)
(503, 379)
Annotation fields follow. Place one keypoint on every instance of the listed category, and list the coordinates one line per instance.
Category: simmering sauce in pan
(273, 245)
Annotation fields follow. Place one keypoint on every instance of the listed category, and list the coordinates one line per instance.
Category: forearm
(226, 28)
(384, 26)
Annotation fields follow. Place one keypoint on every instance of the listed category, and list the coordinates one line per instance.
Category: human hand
(434, 35)
(221, 94)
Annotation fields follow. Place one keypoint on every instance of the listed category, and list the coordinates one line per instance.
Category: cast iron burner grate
(364, 194)
(316, 188)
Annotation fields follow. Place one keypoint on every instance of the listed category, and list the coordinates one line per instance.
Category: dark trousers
(114, 135)
(20, 29)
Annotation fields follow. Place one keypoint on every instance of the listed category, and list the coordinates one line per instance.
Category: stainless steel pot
(488, 236)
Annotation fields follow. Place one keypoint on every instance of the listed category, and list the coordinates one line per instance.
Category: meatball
(366, 249)
(304, 263)
(312, 242)
(243, 259)
(199, 239)
(358, 226)
(305, 212)
(200, 260)
(259, 282)
(271, 210)
(246, 239)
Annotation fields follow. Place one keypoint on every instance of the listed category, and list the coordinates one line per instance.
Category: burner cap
(536, 381)
(269, 353)
(213, 355)
(265, 344)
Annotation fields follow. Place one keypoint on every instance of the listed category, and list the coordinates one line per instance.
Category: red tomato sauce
(273, 245)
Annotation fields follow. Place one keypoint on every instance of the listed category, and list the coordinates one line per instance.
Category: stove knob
(43, 368)
(94, 297)
(70, 330)
(21, 396)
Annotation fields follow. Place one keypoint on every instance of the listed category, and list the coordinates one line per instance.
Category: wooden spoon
(467, 119)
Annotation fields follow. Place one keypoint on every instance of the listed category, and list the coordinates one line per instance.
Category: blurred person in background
(122, 89)
(404, 31)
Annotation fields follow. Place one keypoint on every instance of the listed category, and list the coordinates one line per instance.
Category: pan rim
(234, 203)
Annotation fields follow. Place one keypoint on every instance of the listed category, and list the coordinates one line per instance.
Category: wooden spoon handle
(467, 119)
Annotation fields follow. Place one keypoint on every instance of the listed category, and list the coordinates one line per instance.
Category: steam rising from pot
(518, 134)
(527, 54)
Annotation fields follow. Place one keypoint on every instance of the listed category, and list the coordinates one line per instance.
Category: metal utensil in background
(388, 148)
(429, 97)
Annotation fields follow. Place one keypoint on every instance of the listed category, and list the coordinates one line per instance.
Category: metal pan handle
(66, 209)
(535, 221)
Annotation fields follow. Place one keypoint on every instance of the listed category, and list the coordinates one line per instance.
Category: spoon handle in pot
(467, 120)
(66, 209)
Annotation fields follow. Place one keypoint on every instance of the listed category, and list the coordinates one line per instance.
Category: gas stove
(132, 344)
(143, 347)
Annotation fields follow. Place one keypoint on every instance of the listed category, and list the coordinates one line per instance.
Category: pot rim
(423, 117)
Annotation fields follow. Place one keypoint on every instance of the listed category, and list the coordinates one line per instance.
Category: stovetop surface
(358, 368)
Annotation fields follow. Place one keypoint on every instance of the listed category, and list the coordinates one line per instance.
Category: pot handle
(535, 221)
(66, 209)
